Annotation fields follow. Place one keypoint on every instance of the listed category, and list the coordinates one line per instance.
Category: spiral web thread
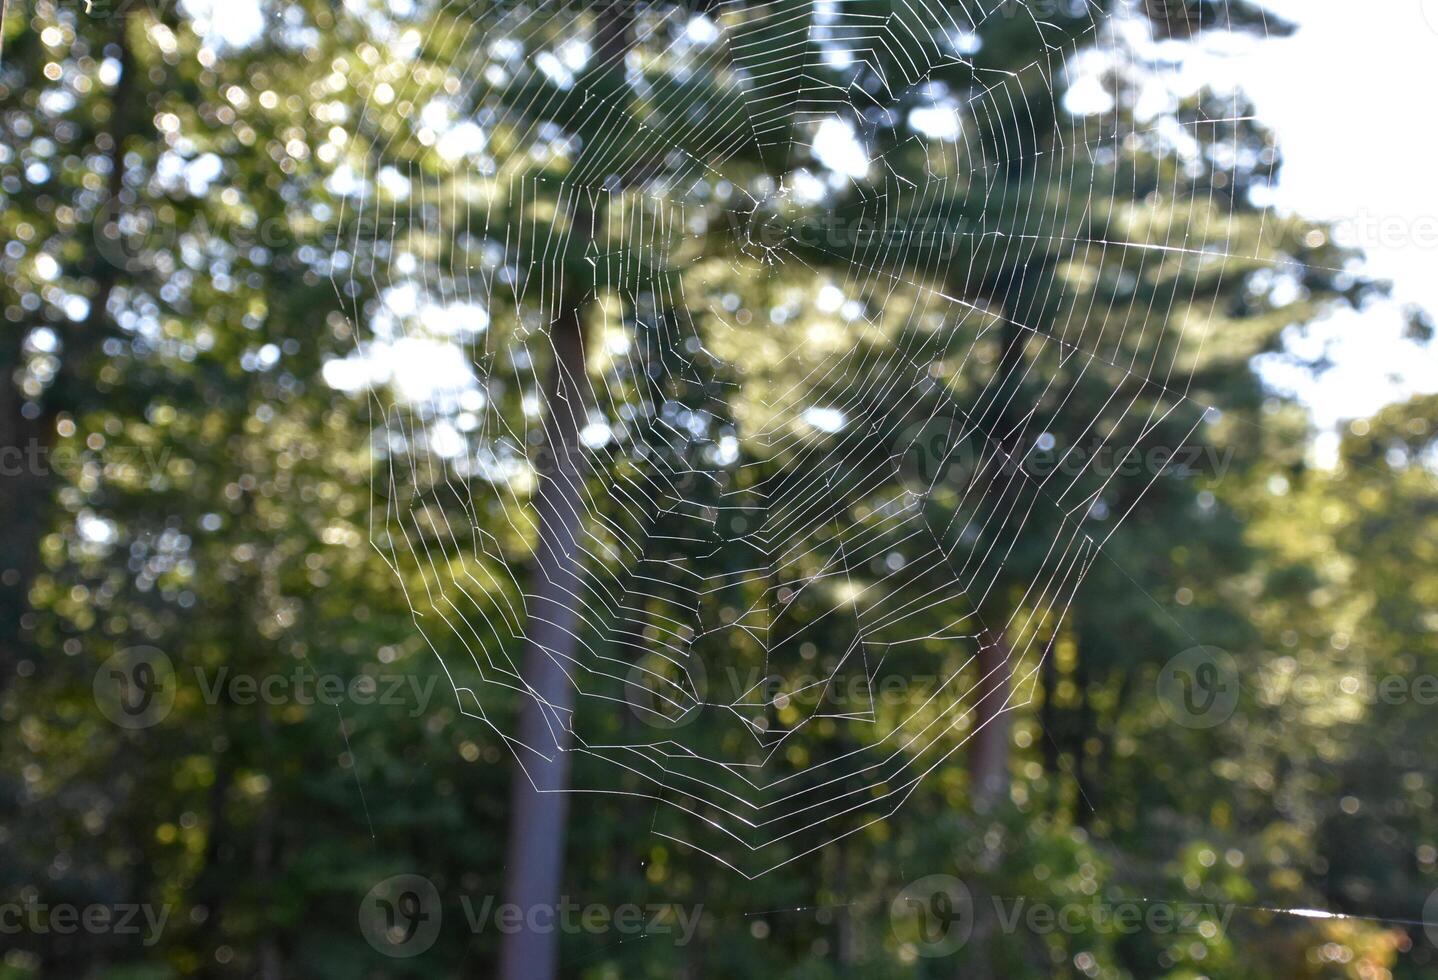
(788, 514)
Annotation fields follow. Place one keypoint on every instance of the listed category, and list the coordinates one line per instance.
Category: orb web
(842, 273)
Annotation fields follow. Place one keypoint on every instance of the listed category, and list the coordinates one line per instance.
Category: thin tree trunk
(27, 435)
(25, 490)
(1049, 714)
(989, 756)
(1106, 735)
(538, 795)
(538, 801)
(846, 941)
(1086, 728)
(989, 764)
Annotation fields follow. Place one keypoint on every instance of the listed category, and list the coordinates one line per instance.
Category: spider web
(812, 556)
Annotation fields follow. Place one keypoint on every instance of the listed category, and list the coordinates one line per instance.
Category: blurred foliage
(171, 207)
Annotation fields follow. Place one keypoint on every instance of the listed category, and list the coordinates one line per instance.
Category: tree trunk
(1049, 714)
(538, 802)
(538, 799)
(989, 758)
(1086, 730)
(989, 764)
(25, 490)
(27, 431)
